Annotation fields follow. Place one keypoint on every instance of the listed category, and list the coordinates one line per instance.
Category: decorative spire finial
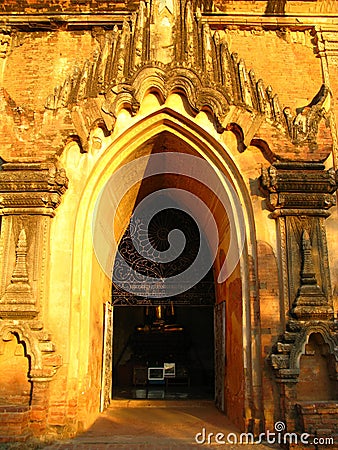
(311, 302)
(20, 274)
(18, 300)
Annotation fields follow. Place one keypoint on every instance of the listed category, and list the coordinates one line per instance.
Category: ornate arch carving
(285, 357)
(32, 349)
(303, 338)
(200, 66)
(39, 347)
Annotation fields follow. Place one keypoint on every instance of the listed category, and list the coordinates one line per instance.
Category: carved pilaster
(300, 194)
(31, 188)
(29, 195)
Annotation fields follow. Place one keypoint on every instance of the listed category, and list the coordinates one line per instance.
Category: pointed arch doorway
(222, 341)
(169, 337)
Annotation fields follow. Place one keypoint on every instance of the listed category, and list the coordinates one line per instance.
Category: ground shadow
(156, 425)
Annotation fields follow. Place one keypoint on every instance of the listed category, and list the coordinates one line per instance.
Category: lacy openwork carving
(129, 262)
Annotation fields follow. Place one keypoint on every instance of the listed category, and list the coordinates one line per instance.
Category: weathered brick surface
(39, 61)
(58, 6)
(319, 418)
(276, 6)
(14, 423)
(260, 6)
(270, 321)
(285, 64)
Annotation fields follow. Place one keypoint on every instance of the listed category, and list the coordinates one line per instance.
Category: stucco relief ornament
(58, 177)
(303, 128)
(269, 184)
(333, 177)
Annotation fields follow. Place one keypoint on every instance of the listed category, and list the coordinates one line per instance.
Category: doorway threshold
(158, 393)
(133, 403)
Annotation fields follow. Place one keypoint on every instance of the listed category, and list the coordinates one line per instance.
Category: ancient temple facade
(225, 111)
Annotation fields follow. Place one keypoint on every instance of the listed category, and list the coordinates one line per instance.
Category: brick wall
(15, 387)
(40, 61)
(318, 418)
(14, 423)
(285, 60)
(37, 63)
(317, 368)
(34, 6)
(270, 320)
